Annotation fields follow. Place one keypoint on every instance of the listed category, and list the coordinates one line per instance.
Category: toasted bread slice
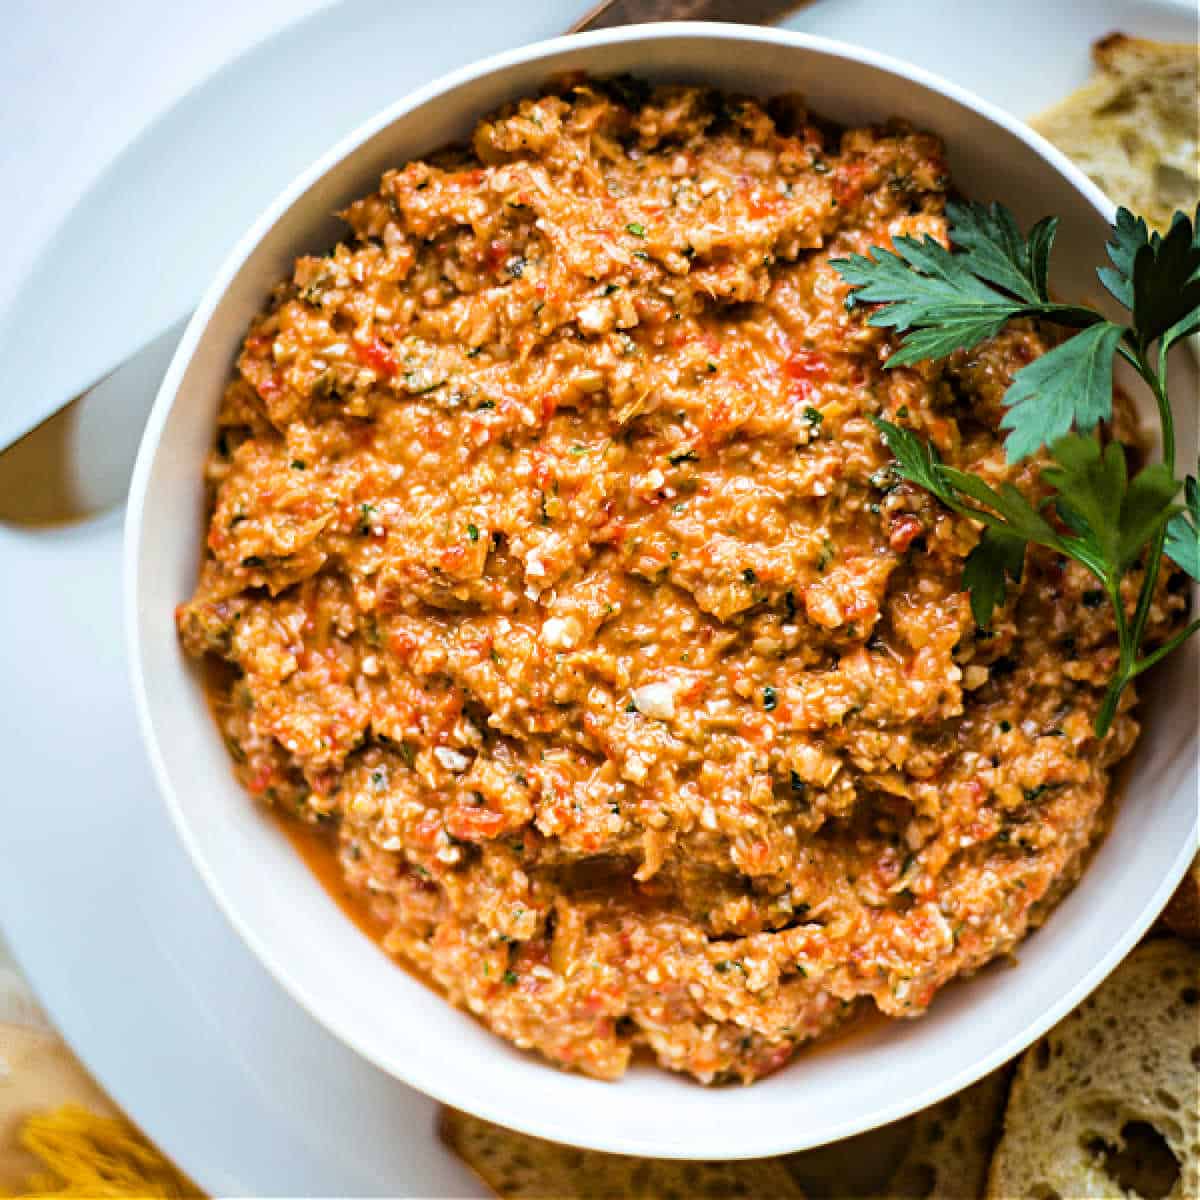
(950, 1144)
(1182, 914)
(1133, 126)
(857, 1166)
(518, 1167)
(1106, 1105)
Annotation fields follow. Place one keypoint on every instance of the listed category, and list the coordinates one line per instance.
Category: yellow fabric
(85, 1155)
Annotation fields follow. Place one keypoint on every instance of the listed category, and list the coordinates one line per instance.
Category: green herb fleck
(1036, 793)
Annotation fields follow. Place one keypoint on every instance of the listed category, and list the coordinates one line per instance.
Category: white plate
(120, 939)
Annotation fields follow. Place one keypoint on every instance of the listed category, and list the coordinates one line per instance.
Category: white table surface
(79, 80)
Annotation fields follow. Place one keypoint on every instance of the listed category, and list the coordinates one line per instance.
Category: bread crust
(1182, 914)
(1127, 1061)
(1132, 126)
(518, 1167)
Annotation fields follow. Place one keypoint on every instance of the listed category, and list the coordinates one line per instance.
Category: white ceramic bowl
(298, 932)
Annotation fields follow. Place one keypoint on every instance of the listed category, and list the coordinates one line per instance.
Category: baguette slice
(518, 1167)
(950, 1145)
(1106, 1104)
(1133, 126)
(1182, 914)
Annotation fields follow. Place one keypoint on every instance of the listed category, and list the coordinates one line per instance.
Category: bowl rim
(921, 1095)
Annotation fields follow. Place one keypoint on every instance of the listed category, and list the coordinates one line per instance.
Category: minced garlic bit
(655, 700)
(452, 760)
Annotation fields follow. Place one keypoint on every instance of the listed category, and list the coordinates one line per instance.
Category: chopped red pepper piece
(377, 355)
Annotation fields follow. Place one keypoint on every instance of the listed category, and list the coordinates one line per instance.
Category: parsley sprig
(1095, 513)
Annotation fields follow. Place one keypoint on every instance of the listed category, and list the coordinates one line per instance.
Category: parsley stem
(1146, 595)
(1072, 315)
(1132, 357)
(1123, 673)
(1164, 408)
(1108, 707)
(1173, 644)
(1130, 637)
(1127, 643)
(1157, 381)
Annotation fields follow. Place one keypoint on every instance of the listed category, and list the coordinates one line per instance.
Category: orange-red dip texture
(564, 578)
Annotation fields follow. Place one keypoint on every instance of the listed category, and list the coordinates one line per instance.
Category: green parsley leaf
(1111, 518)
(1129, 235)
(954, 331)
(1157, 278)
(1183, 532)
(635, 228)
(998, 557)
(945, 301)
(1147, 506)
(917, 461)
(1070, 385)
(998, 252)
(1020, 517)
(926, 289)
